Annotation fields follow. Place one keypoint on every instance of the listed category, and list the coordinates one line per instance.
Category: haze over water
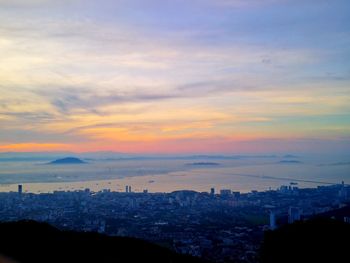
(175, 173)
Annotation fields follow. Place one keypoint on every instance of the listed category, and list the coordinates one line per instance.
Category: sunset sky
(175, 76)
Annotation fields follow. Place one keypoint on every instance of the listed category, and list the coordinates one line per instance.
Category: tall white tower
(272, 220)
(294, 214)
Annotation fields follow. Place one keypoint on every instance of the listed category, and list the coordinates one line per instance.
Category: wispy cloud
(103, 72)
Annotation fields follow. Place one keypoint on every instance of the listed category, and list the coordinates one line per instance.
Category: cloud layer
(118, 74)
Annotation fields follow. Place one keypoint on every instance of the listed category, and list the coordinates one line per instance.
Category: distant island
(203, 163)
(68, 160)
(290, 156)
(336, 164)
(290, 161)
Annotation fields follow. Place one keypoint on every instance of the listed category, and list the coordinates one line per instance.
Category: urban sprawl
(224, 226)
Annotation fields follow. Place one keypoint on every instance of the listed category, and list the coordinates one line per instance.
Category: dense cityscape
(223, 226)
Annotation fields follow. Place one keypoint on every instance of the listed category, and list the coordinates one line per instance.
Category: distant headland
(203, 163)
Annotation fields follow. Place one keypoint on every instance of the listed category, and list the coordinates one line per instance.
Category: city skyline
(174, 76)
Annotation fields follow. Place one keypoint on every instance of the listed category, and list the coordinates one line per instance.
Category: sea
(166, 174)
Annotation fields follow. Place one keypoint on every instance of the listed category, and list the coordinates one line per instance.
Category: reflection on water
(166, 175)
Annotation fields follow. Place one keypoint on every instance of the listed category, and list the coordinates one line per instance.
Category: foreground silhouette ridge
(29, 241)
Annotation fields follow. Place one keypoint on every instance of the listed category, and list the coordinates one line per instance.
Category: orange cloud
(34, 147)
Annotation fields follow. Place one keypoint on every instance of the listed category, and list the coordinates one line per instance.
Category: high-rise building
(20, 189)
(225, 192)
(272, 220)
(212, 191)
(127, 189)
(236, 194)
(343, 191)
(294, 214)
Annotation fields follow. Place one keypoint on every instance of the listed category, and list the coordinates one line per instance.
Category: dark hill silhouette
(338, 214)
(29, 241)
(68, 160)
(317, 240)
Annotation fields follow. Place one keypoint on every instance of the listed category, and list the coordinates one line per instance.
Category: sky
(175, 76)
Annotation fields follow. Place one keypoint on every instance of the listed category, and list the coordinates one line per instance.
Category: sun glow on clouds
(34, 147)
(117, 75)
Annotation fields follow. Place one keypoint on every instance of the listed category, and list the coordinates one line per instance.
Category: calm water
(171, 174)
